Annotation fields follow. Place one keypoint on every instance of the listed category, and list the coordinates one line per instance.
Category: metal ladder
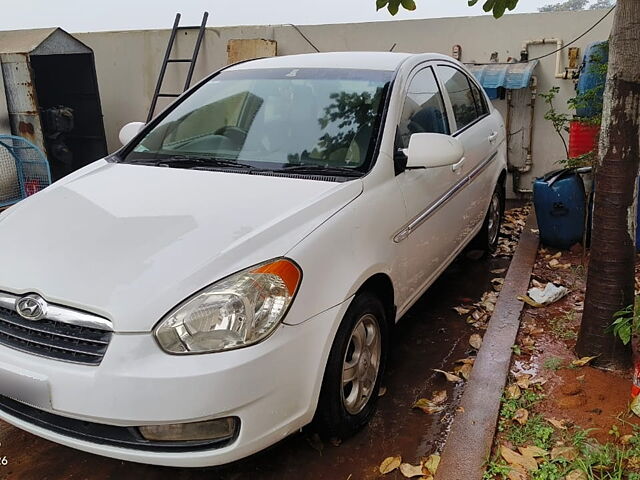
(167, 59)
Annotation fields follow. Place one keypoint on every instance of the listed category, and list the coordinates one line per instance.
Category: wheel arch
(382, 286)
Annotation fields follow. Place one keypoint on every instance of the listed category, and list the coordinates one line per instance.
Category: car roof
(354, 60)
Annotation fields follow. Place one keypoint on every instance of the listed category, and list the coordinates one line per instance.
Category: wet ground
(431, 335)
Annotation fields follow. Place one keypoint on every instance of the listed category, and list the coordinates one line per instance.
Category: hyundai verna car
(232, 273)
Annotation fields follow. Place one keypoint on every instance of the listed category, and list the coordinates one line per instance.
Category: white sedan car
(233, 272)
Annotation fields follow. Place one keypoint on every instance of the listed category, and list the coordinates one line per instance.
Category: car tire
(487, 238)
(351, 382)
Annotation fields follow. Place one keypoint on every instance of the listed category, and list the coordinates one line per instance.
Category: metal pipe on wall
(560, 72)
(528, 164)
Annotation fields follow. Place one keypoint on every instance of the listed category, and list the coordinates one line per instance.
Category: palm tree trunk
(610, 278)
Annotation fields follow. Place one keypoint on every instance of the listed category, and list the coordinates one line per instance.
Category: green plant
(626, 322)
(560, 121)
(553, 363)
(536, 431)
(496, 469)
(562, 326)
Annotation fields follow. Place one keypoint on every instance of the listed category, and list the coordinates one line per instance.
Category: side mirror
(428, 150)
(129, 131)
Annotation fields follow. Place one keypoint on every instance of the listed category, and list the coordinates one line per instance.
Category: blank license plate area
(25, 387)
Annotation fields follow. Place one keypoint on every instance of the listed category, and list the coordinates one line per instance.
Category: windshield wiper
(315, 169)
(188, 161)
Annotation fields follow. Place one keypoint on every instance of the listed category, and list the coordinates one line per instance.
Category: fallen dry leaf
(559, 424)
(568, 453)
(475, 341)
(521, 416)
(581, 362)
(462, 310)
(382, 391)
(635, 405)
(449, 376)
(389, 464)
(626, 439)
(439, 397)
(410, 471)
(553, 263)
(427, 406)
(576, 475)
(529, 301)
(523, 380)
(514, 458)
(517, 473)
(431, 464)
(464, 370)
(460, 409)
(468, 360)
(498, 271)
(513, 392)
(532, 451)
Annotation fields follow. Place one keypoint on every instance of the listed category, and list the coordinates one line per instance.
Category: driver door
(434, 210)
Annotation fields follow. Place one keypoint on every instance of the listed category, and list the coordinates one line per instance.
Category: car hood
(129, 242)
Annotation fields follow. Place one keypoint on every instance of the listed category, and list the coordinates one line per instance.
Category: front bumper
(272, 387)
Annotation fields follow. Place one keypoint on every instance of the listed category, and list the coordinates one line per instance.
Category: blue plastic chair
(24, 170)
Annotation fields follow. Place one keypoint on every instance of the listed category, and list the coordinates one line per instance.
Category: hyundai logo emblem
(32, 307)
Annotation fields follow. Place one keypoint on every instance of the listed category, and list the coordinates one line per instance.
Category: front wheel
(352, 377)
(487, 237)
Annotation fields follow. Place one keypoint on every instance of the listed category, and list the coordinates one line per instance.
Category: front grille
(52, 339)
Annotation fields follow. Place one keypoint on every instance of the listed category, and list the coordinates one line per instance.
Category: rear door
(477, 129)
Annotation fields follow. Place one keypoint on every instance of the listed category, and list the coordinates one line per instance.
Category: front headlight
(235, 312)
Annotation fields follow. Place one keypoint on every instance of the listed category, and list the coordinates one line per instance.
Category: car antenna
(392, 47)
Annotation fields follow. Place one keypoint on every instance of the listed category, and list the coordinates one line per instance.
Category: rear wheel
(487, 237)
(352, 378)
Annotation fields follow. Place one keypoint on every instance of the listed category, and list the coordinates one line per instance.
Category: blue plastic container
(591, 76)
(559, 201)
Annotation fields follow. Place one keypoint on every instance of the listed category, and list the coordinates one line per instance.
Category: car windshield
(298, 120)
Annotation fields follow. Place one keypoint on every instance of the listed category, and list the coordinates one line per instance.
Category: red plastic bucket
(583, 138)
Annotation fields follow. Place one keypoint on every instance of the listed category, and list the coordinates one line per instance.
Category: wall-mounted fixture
(456, 52)
(561, 72)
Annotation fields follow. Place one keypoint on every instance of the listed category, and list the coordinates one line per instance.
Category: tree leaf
(471, 3)
(431, 464)
(488, 5)
(521, 416)
(427, 406)
(381, 4)
(568, 453)
(439, 397)
(513, 458)
(581, 362)
(410, 471)
(475, 341)
(408, 4)
(576, 475)
(449, 376)
(513, 392)
(389, 464)
(499, 8)
(635, 405)
(532, 451)
(393, 6)
(559, 424)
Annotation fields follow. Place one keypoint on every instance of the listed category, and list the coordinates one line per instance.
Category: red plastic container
(583, 138)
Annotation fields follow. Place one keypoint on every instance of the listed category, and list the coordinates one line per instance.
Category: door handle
(493, 136)
(457, 166)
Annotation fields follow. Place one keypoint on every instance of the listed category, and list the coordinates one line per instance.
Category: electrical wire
(577, 38)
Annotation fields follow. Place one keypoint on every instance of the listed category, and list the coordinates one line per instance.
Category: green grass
(562, 326)
(553, 363)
